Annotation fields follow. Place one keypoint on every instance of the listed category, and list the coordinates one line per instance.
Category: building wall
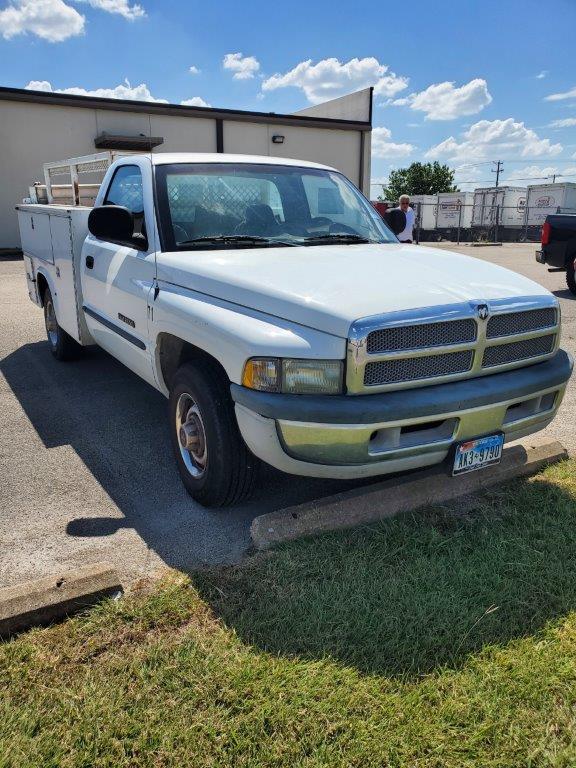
(32, 134)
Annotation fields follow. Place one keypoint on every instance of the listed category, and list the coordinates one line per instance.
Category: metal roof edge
(177, 110)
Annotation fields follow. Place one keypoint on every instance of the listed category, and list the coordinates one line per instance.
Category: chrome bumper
(350, 437)
(339, 444)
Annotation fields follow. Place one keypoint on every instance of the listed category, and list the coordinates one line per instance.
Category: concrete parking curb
(48, 599)
(390, 497)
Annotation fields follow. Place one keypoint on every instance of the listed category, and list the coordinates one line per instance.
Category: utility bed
(52, 236)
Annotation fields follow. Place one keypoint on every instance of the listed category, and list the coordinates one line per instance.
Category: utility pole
(499, 167)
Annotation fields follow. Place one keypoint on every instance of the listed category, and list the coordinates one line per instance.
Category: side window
(126, 189)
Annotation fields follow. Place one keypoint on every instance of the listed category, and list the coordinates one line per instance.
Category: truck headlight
(294, 377)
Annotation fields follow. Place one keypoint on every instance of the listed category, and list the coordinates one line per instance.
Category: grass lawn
(445, 638)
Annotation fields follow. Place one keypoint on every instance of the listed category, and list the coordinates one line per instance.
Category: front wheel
(62, 345)
(215, 465)
(571, 277)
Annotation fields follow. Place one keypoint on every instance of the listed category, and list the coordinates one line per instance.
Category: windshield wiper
(343, 237)
(248, 239)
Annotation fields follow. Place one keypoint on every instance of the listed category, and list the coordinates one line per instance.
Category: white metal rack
(74, 166)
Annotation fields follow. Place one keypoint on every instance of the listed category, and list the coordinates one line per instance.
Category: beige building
(38, 127)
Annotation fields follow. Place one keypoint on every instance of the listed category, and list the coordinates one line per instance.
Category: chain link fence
(459, 222)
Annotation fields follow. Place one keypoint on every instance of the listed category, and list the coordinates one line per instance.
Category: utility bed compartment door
(35, 235)
(67, 306)
(31, 280)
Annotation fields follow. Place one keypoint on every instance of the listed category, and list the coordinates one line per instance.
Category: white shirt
(406, 233)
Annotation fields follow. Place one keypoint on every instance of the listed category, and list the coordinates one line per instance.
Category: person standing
(406, 235)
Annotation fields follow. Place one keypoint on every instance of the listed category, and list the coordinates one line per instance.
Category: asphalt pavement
(86, 471)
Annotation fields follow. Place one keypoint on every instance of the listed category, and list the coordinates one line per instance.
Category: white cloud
(566, 122)
(540, 173)
(443, 101)
(195, 101)
(571, 94)
(51, 20)
(194, 70)
(542, 75)
(120, 7)
(55, 20)
(331, 78)
(244, 67)
(382, 147)
(124, 91)
(488, 139)
(532, 172)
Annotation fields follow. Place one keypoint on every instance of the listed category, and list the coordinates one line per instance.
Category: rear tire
(571, 277)
(61, 344)
(215, 465)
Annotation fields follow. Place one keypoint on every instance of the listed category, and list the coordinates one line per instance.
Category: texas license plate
(477, 454)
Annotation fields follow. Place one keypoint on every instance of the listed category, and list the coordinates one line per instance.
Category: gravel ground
(86, 472)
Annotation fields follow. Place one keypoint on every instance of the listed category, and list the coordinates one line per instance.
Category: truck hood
(328, 287)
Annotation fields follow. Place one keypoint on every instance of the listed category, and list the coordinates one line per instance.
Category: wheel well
(174, 352)
(41, 286)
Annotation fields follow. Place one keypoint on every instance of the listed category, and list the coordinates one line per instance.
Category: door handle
(89, 262)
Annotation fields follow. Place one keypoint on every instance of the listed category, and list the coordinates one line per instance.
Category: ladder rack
(74, 166)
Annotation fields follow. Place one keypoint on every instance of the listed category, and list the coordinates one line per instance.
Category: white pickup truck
(284, 321)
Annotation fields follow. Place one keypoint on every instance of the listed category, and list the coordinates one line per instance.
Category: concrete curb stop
(45, 600)
(371, 503)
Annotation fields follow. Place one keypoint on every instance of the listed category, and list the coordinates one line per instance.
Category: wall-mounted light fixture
(277, 139)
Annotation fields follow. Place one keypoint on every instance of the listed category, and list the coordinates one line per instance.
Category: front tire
(215, 465)
(62, 345)
(571, 276)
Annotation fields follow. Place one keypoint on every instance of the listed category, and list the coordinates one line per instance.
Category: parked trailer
(499, 213)
(425, 207)
(454, 215)
(546, 199)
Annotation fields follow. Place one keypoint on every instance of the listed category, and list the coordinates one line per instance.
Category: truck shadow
(117, 425)
(412, 594)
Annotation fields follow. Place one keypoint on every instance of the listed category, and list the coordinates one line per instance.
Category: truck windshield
(237, 205)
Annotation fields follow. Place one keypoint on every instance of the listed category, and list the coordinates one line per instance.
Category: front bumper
(362, 436)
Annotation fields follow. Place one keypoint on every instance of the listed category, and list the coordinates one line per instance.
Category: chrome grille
(417, 368)
(512, 323)
(518, 350)
(422, 335)
(416, 348)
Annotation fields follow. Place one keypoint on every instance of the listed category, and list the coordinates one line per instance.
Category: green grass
(445, 639)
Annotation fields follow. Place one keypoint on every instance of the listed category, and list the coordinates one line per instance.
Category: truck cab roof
(169, 158)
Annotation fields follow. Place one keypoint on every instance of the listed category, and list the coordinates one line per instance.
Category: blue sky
(463, 82)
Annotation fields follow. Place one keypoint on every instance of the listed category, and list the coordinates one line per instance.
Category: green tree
(419, 179)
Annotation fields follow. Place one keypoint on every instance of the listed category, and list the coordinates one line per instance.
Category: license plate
(477, 454)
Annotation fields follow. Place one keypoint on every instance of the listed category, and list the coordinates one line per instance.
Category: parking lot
(86, 468)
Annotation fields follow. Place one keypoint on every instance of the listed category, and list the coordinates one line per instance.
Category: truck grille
(418, 336)
(518, 350)
(417, 368)
(411, 349)
(520, 322)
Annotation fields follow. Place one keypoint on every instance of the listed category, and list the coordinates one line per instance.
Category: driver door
(117, 279)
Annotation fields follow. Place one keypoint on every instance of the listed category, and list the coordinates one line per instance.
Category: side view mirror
(396, 219)
(115, 224)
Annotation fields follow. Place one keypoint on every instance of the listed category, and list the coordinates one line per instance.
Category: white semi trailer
(454, 215)
(499, 213)
(425, 207)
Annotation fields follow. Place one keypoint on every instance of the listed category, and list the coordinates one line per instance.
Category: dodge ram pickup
(558, 246)
(274, 308)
